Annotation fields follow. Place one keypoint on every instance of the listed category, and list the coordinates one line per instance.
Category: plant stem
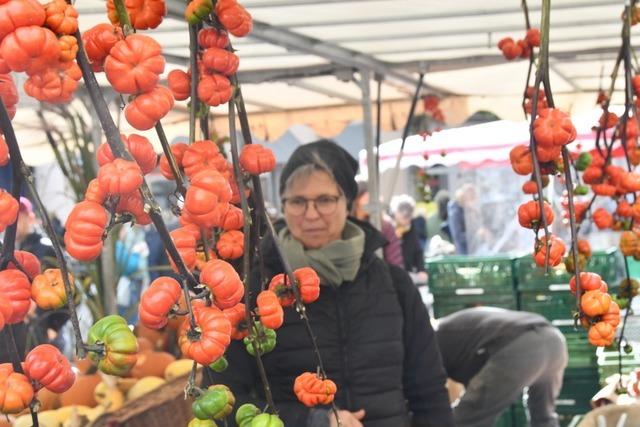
(173, 164)
(193, 61)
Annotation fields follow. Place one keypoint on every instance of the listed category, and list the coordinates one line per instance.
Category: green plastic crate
(581, 353)
(444, 304)
(530, 277)
(579, 385)
(553, 305)
(459, 274)
(608, 363)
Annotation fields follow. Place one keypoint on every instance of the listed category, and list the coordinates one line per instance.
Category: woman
(402, 208)
(371, 327)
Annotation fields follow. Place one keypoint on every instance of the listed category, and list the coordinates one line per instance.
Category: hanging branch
(246, 261)
(525, 9)
(193, 61)
(173, 164)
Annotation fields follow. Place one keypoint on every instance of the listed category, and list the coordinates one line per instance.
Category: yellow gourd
(45, 419)
(144, 386)
(82, 415)
(108, 396)
(178, 368)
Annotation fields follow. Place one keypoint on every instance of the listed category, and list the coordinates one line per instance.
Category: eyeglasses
(324, 205)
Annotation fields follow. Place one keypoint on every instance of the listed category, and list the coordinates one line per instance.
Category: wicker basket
(164, 406)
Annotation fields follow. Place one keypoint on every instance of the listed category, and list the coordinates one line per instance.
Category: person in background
(393, 249)
(402, 208)
(437, 223)
(496, 353)
(463, 198)
(371, 327)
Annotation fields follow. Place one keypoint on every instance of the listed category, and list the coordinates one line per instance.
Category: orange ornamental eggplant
(234, 17)
(214, 90)
(601, 334)
(312, 390)
(631, 181)
(257, 159)
(98, 41)
(134, 64)
(595, 303)
(28, 261)
(20, 13)
(4, 152)
(84, 229)
(9, 95)
(208, 188)
(608, 120)
(281, 286)
(308, 283)
(178, 149)
(62, 18)
(15, 287)
(68, 48)
(133, 203)
(211, 338)
(143, 14)
(148, 108)
(47, 289)
(120, 177)
(238, 318)
(230, 245)
(604, 189)
(220, 61)
(186, 245)
(521, 160)
(629, 243)
(30, 49)
(553, 128)
(157, 301)
(202, 155)
(269, 310)
(612, 316)
(54, 85)
(180, 84)
(6, 310)
(624, 208)
(16, 391)
(49, 368)
(588, 282)
(8, 209)
(231, 217)
(548, 154)
(602, 218)
(529, 214)
(223, 282)
(212, 37)
(140, 148)
(533, 37)
(94, 193)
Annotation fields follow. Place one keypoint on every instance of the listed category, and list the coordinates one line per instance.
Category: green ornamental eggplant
(120, 345)
(265, 340)
(266, 420)
(245, 414)
(197, 10)
(216, 402)
(583, 161)
(219, 365)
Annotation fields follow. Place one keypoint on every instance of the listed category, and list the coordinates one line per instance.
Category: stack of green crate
(609, 363)
(579, 385)
(459, 282)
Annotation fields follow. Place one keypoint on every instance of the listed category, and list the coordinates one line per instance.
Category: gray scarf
(335, 263)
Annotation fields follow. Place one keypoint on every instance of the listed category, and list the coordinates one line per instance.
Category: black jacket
(412, 252)
(376, 343)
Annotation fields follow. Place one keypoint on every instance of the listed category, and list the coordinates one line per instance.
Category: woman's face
(312, 228)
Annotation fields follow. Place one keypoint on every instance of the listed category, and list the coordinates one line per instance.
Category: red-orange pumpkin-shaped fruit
(238, 318)
(595, 303)
(220, 61)
(208, 188)
(84, 229)
(143, 14)
(553, 127)
(98, 41)
(214, 90)
(186, 245)
(529, 214)
(312, 390)
(157, 301)
(588, 282)
(148, 108)
(28, 261)
(180, 84)
(234, 17)
(230, 245)
(231, 217)
(178, 150)
(624, 209)
(68, 48)
(601, 334)
(4, 152)
(62, 18)
(554, 251)
(16, 391)
(49, 368)
(94, 193)
(212, 341)
(140, 148)
(30, 49)
(6, 310)
(134, 64)
(602, 218)
(592, 175)
(203, 155)
(257, 159)
(584, 248)
(281, 286)
(9, 95)
(629, 243)
(21, 13)
(612, 316)
(308, 283)
(134, 204)
(521, 160)
(54, 85)
(212, 37)
(15, 287)
(8, 209)
(223, 282)
(120, 177)
(48, 291)
(270, 310)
